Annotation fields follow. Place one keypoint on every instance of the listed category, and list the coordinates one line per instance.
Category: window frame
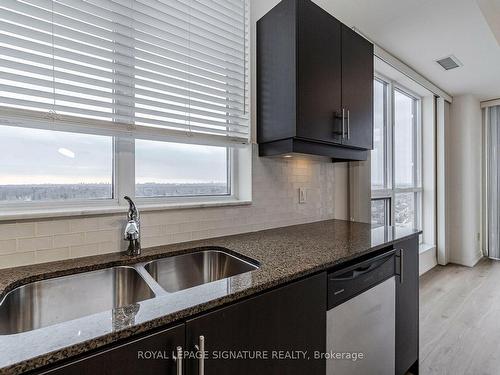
(390, 189)
(239, 164)
(123, 180)
(387, 209)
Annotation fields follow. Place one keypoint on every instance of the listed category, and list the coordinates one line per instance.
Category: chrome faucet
(133, 229)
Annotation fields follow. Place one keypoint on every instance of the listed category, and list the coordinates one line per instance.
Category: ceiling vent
(450, 62)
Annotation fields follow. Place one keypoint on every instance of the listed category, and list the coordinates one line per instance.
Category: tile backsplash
(275, 203)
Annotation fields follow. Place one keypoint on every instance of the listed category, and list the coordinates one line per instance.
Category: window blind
(152, 68)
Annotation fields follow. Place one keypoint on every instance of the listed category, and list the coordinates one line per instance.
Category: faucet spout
(133, 213)
(132, 232)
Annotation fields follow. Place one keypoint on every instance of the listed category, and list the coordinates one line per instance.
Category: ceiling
(419, 32)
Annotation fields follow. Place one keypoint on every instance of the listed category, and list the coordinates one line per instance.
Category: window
(396, 158)
(44, 165)
(379, 153)
(381, 212)
(102, 98)
(165, 169)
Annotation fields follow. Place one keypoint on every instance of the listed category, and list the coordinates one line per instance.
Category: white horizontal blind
(150, 67)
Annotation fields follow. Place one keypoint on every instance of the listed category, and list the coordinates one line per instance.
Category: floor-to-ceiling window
(396, 157)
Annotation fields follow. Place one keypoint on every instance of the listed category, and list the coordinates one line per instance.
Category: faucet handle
(131, 232)
(133, 212)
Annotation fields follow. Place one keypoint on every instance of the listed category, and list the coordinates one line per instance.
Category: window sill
(423, 247)
(61, 212)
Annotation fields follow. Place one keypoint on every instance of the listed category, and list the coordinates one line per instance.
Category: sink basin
(186, 271)
(47, 302)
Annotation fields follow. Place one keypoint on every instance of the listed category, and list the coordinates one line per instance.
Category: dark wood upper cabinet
(319, 86)
(407, 306)
(314, 84)
(291, 318)
(357, 89)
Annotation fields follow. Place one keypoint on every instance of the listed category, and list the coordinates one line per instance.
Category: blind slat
(197, 99)
(212, 62)
(160, 64)
(174, 65)
(75, 8)
(231, 116)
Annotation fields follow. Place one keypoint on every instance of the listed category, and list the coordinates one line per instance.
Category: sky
(403, 136)
(33, 156)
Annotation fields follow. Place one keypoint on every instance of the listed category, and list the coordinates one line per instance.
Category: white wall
(275, 203)
(360, 191)
(463, 142)
(341, 199)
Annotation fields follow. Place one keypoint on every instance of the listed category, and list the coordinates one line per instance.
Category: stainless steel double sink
(44, 303)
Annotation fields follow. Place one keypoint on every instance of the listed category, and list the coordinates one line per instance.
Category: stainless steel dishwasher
(361, 317)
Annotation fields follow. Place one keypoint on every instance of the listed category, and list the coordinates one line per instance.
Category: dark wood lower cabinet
(287, 321)
(149, 355)
(284, 327)
(407, 307)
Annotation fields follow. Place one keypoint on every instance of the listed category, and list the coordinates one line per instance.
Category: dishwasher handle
(362, 270)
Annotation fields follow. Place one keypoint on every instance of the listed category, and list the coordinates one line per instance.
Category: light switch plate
(302, 195)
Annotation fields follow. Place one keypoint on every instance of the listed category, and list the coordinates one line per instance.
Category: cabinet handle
(348, 126)
(201, 365)
(343, 123)
(178, 359)
(401, 252)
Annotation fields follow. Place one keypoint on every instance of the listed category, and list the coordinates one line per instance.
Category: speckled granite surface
(284, 254)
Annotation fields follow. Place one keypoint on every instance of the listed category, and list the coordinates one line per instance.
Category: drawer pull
(201, 349)
(178, 359)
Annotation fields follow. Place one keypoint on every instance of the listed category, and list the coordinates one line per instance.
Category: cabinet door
(135, 357)
(357, 89)
(318, 74)
(407, 305)
(276, 323)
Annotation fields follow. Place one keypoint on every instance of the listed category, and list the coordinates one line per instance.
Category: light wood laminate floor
(460, 320)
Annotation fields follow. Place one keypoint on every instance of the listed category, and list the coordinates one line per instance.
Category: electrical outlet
(302, 195)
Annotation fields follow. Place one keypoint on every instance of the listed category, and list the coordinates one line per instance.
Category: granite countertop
(285, 254)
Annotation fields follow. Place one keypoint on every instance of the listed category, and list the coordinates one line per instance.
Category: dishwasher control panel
(348, 282)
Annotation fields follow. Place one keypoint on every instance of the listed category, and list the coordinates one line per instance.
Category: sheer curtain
(492, 122)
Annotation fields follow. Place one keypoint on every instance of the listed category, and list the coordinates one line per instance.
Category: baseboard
(468, 262)
(427, 259)
(478, 257)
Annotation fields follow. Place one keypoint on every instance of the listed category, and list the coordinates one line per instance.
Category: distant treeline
(48, 192)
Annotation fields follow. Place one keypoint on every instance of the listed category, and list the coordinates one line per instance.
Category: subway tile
(111, 247)
(17, 259)
(153, 231)
(84, 225)
(181, 237)
(8, 246)
(50, 228)
(16, 230)
(108, 235)
(51, 255)
(201, 235)
(112, 222)
(72, 239)
(34, 243)
(158, 241)
(83, 250)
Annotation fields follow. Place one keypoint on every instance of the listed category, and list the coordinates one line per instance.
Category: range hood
(291, 146)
